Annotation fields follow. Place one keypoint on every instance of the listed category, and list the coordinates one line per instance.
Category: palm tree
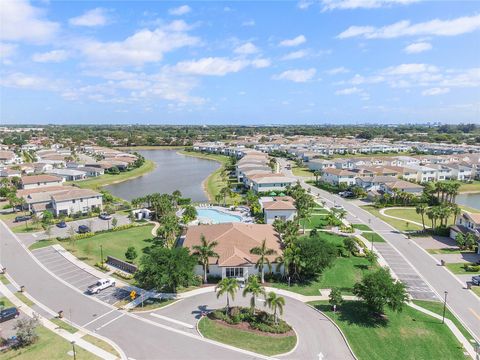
(420, 209)
(275, 302)
(456, 213)
(176, 195)
(317, 175)
(204, 251)
(225, 192)
(253, 287)
(263, 252)
(229, 287)
(218, 199)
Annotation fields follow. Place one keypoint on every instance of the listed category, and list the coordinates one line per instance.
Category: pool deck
(241, 213)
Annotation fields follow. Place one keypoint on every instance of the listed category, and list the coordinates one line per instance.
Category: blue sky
(307, 62)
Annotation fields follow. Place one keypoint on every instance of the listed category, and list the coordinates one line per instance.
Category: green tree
(229, 287)
(317, 254)
(421, 209)
(253, 287)
(470, 241)
(350, 245)
(263, 252)
(335, 297)
(276, 303)
(378, 289)
(460, 240)
(371, 257)
(189, 213)
(114, 222)
(26, 330)
(131, 254)
(204, 252)
(165, 269)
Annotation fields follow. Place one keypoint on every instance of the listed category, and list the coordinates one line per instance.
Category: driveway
(316, 334)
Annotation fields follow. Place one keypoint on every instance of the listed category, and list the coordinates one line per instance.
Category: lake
(471, 200)
(173, 171)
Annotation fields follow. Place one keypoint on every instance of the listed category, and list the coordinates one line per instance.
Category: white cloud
(50, 56)
(337, 70)
(300, 39)
(214, 66)
(250, 22)
(261, 63)
(25, 81)
(405, 69)
(22, 22)
(349, 91)
(435, 27)
(417, 47)
(435, 91)
(304, 4)
(245, 49)
(181, 10)
(142, 47)
(294, 55)
(296, 75)
(357, 4)
(92, 18)
(7, 50)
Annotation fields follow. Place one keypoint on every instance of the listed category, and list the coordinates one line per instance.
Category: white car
(100, 285)
(339, 207)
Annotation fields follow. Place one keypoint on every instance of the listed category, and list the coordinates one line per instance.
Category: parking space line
(172, 320)
(47, 257)
(74, 278)
(56, 267)
(67, 272)
(54, 262)
(109, 322)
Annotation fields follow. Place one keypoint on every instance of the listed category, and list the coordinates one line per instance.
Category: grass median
(409, 334)
(267, 344)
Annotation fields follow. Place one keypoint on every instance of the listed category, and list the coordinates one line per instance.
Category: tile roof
(74, 193)
(26, 180)
(280, 203)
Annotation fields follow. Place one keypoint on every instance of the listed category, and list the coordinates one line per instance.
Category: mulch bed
(245, 326)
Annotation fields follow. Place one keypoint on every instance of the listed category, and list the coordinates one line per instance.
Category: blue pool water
(217, 217)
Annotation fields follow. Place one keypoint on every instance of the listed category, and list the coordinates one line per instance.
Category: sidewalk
(77, 337)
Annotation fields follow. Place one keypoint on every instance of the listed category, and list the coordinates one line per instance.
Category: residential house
(374, 183)
(467, 223)
(8, 157)
(76, 200)
(278, 207)
(234, 243)
(320, 164)
(402, 186)
(339, 176)
(461, 172)
(34, 181)
(271, 182)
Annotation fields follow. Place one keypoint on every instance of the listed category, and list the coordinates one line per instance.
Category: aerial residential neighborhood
(200, 180)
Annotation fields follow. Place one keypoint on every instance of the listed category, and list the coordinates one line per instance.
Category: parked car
(105, 216)
(339, 207)
(345, 194)
(22, 218)
(100, 285)
(9, 314)
(62, 224)
(476, 280)
(82, 229)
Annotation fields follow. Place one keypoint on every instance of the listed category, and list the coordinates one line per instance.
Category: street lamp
(444, 307)
(74, 352)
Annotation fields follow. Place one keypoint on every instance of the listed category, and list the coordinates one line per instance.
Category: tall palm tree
(317, 174)
(255, 288)
(275, 302)
(204, 251)
(176, 195)
(456, 212)
(225, 192)
(263, 252)
(229, 287)
(421, 209)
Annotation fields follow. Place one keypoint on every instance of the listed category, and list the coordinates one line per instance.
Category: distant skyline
(252, 63)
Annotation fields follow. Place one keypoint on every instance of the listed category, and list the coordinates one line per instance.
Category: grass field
(449, 251)
(374, 237)
(49, 346)
(114, 243)
(108, 179)
(458, 268)
(314, 221)
(262, 344)
(409, 334)
(63, 325)
(437, 308)
(302, 171)
(215, 182)
(361, 227)
(5, 303)
(411, 214)
(474, 186)
(397, 224)
(476, 290)
(23, 298)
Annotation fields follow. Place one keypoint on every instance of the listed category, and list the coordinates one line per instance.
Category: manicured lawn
(476, 290)
(458, 268)
(27, 228)
(362, 227)
(101, 344)
(319, 210)
(48, 346)
(437, 308)
(262, 344)
(411, 214)
(302, 171)
(398, 224)
(114, 243)
(63, 325)
(409, 334)
(24, 299)
(314, 221)
(449, 251)
(474, 186)
(4, 280)
(374, 237)
(148, 305)
(107, 179)
(5, 303)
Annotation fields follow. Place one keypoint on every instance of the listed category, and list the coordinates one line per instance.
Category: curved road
(145, 336)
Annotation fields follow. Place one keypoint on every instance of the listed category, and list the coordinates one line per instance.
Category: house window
(234, 272)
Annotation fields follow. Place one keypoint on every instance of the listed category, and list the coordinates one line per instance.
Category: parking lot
(74, 275)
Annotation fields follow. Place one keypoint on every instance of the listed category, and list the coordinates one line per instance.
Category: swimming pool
(216, 217)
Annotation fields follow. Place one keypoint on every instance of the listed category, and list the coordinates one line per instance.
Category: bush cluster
(471, 268)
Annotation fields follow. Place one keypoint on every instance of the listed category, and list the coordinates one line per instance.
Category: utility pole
(74, 352)
(101, 254)
(444, 307)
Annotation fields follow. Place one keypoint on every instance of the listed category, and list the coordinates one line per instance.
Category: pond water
(173, 172)
(471, 200)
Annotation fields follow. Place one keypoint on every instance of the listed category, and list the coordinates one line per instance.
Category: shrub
(122, 275)
(102, 266)
(471, 268)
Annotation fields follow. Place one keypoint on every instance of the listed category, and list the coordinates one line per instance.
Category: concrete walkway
(155, 228)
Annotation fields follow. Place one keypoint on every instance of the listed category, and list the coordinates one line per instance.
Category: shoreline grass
(261, 344)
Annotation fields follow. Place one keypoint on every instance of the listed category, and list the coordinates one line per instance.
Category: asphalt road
(147, 337)
(460, 300)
